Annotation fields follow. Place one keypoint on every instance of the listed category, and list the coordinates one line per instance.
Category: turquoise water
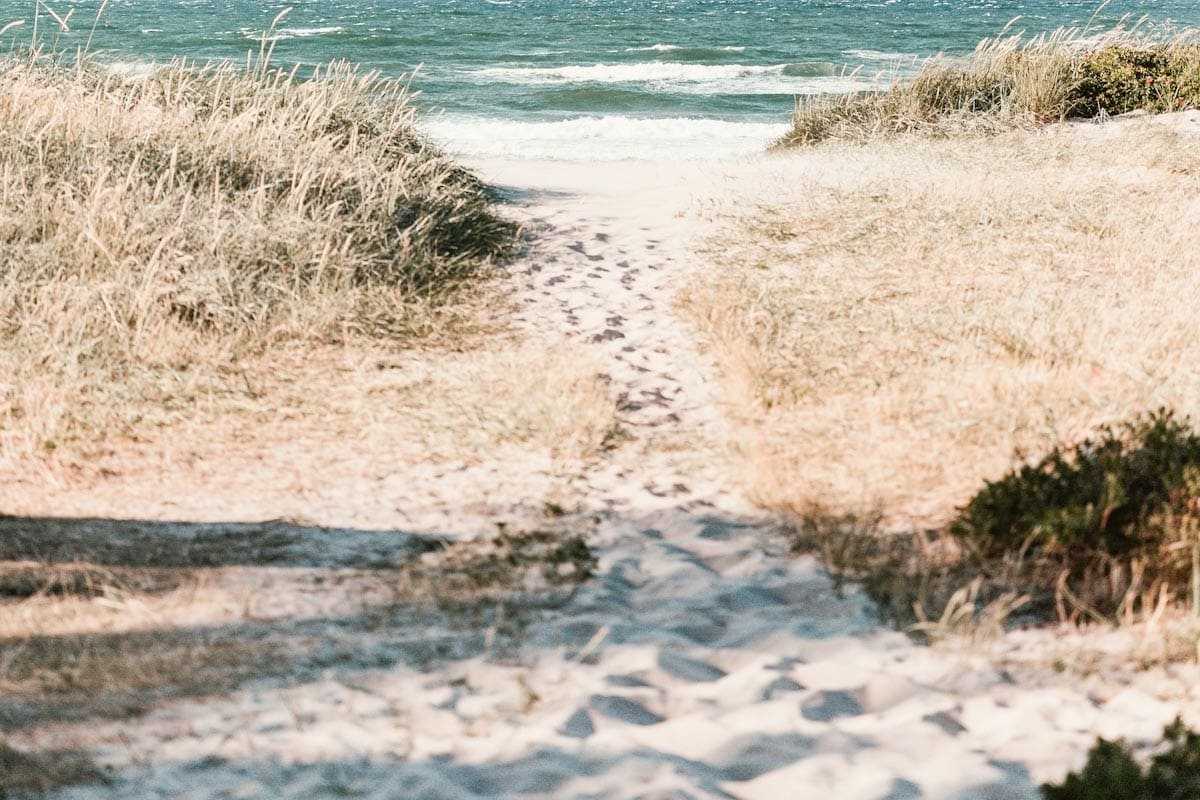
(589, 78)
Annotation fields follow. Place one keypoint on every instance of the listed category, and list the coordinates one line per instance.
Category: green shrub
(1117, 80)
(1111, 773)
(1111, 515)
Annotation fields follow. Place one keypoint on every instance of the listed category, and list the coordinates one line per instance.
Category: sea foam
(687, 78)
(879, 55)
(671, 48)
(603, 138)
(294, 33)
(648, 71)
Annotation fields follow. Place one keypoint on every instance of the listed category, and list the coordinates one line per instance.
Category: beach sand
(702, 661)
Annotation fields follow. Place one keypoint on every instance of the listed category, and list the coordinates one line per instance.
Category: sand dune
(703, 661)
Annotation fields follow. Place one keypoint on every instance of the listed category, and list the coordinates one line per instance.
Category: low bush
(1112, 773)
(1108, 529)
(1113, 517)
(1117, 80)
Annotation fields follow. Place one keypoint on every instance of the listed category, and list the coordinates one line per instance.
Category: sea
(591, 80)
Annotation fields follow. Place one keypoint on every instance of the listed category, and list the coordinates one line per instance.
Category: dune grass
(232, 294)
(909, 318)
(161, 232)
(1016, 82)
(222, 261)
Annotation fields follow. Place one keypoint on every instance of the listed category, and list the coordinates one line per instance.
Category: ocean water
(588, 79)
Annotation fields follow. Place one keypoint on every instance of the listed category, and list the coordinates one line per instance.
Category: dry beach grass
(196, 244)
(163, 233)
(233, 289)
(237, 295)
(1013, 81)
(911, 317)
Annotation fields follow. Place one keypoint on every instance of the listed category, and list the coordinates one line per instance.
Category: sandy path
(701, 662)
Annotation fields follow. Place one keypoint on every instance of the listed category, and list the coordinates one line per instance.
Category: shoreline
(327, 472)
(611, 138)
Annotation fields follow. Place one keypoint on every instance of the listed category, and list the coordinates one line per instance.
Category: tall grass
(906, 319)
(157, 228)
(1013, 81)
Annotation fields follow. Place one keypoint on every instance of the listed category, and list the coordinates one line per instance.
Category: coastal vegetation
(1015, 82)
(958, 360)
(961, 366)
(282, 278)
(163, 230)
(1111, 518)
(1112, 772)
(914, 318)
(187, 246)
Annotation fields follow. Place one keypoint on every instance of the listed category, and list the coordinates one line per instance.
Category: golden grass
(910, 318)
(326, 433)
(1016, 82)
(163, 233)
(546, 399)
(231, 295)
(224, 260)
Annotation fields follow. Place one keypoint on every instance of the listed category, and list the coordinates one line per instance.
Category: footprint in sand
(579, 248)
(624, 709)
(826, 706)
(578, 725)
(688, 669)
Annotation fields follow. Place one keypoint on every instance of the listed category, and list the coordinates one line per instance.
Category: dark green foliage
(1111, 773)
(512, 560)
(33, 775)
(1117, 80)
(1113, 510)
(1175, 773)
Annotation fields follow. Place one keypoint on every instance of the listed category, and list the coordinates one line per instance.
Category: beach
(598, 408)
(702, 660)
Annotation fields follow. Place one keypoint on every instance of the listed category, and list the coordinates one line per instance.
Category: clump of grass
(1012, 82)
(530, 561)
(1113, 517)
(1108, 529)
(26, 774)
(903, 320)
(1112, 773)
(157, 230)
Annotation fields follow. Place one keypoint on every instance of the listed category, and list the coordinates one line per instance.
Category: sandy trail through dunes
(701, 662)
